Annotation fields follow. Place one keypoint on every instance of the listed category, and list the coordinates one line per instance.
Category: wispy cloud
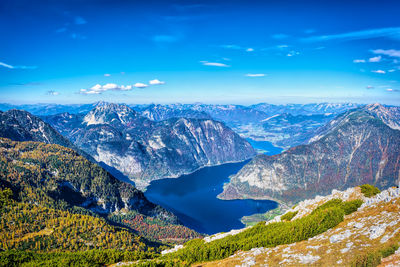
(280, 36)
(293, 53)
(52, 92)
(8, 66)
(359, 61)
(392, 33)
(156, 82)
(379, 71)
(389, 52)
(238, 47)
(392, 90)
(78, 36)
(375, 59)
(79, 20)
(369, 87)
(215, 64)
(255, 74)
(107, 75)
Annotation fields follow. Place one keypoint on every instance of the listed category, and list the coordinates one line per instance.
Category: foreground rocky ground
(364, 233)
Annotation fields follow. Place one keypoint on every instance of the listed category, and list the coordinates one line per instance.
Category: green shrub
(369, 190)
(351, 206)
(320, 220)
(373, 258)
(288, 216)
(86, 258)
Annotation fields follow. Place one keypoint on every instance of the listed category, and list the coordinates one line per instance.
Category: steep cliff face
(146, 150)
(356, 148)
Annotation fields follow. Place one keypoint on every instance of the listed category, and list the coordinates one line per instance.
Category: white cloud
(389, 52)
(359, 61)
(249, 49)
(379, 71)
(389, 90)
(107, 75)
(98, 88)
(8, 66)
(215, 64)
(370, 87)
(293, 53)
(53, 93)
(392, 33)
(255, 75)
(156, 82)
(140, 85)
(375, 59)
(392, 70)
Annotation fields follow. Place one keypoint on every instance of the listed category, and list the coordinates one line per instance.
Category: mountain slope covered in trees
(59, 178)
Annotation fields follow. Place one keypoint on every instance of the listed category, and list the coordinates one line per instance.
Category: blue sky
(199, 51)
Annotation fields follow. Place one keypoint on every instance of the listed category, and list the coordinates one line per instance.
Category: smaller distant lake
(193, 198)
(265, 147)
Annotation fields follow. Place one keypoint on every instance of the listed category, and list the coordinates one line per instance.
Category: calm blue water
(266, 146)
(193, 198)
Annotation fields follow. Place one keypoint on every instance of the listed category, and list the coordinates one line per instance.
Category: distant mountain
(157, 112)
(145, 150)
(20, 125)
(305, 109)
(287, 130)
(49, 109)
(357, 147)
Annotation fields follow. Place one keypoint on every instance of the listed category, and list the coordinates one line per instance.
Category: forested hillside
(59, 179)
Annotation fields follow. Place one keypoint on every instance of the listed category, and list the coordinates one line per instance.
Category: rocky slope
(146, 150)
(357, 147)
(367, 235)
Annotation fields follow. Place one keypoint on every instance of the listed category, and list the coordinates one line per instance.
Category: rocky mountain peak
(110, 113)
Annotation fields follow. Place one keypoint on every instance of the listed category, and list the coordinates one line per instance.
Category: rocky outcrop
(356, 148)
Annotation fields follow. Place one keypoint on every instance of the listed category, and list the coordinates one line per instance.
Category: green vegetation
(85, 258)
(373, 258)
(369, 190)
(288, 216)
(320, 220)
(30, 227)
(58, 178)
(154, 228)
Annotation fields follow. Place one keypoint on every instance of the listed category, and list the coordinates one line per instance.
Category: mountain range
(146, 150)
(357, 147)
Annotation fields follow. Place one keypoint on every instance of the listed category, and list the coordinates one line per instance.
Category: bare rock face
(358, 147)
(146, 150)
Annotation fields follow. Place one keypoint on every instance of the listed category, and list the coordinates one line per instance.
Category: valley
(199, 177)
